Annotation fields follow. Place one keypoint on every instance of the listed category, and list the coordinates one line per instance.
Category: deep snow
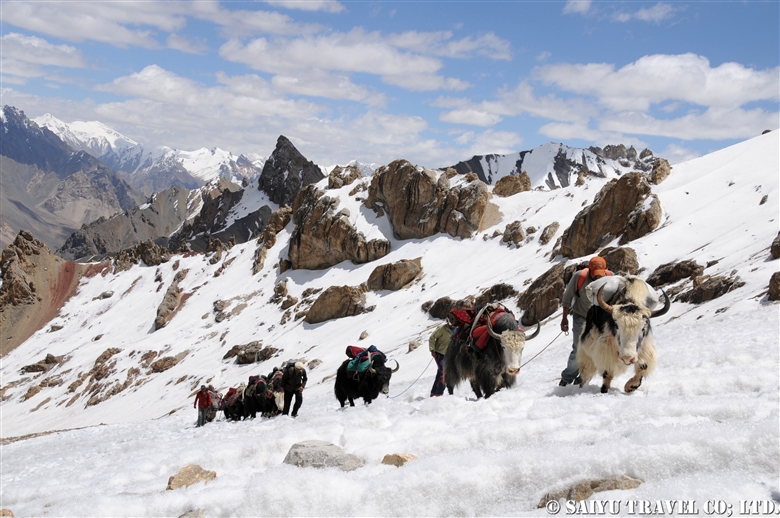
(705, 426)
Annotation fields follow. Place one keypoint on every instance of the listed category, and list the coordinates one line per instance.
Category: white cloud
(543, 56)
(354, 52)
(318, 83)
(442, 44)
(31, 49)
(576, 6)
(657, 78)
(677, 154)
(330, 6)
(471, 116)
(184, 44)
(656, 14)
(492, 142)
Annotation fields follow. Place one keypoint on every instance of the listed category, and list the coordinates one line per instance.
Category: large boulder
(707, 288)
(670, 273)
(171, 301)
(442, 306)
(624, 208)
(774, 286)
(324, 236)
(543, 296)
(286, 172)
(188, 475)
(549, 232)
(420, 202)
(512, 184)
(321, 454)
(341, 176)
(661, 169)
(337, 302)
(621, 260)
(394, 276)
(775, 248)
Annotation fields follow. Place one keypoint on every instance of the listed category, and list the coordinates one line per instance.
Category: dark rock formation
(670, 273)
(420, 205)
(442, 306)
(514, 233)
(337, 302)
(623, 208)
(661, 170)
(775, 248)
(543, 296)
(394, 276)
(707, 288)
(621, 261)
(286, 172)
(774, 286)
(324, 236)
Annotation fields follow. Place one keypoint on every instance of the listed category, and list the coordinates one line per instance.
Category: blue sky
(433, 82)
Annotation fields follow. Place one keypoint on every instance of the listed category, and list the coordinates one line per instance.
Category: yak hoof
(630, 388)
(604, 389)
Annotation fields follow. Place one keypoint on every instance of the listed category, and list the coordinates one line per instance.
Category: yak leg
(645, 364)
(607, 382)
(351, 401)
(587, 367)
(476, 388)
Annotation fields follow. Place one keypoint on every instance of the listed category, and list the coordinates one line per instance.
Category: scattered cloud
(329, 6)
(441, 44)
(576, 6)
(184, 44)
(543, 56)
(31, 49)
(655, 14)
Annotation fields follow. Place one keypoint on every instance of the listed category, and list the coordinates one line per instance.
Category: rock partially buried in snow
(398, 459)
(584, 490)
(6, 512)
(190, 474)
(193, 513)
(321, 454)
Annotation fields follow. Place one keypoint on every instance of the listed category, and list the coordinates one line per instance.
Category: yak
(619, 335)
(260, 398)
(367, 385)
(494, 367)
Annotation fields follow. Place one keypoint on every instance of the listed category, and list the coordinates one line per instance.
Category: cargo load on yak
(472, 323)
(361, 358)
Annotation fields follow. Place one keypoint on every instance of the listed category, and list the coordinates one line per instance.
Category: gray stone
(321, 454)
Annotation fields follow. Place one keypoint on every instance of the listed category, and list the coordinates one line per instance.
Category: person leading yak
(437, 344)
(576, 302)
(293, 382)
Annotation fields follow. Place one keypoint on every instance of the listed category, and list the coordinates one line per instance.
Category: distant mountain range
(153, 170)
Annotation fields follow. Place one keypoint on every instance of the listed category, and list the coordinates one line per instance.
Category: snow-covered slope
(152, 170)
(705, 426)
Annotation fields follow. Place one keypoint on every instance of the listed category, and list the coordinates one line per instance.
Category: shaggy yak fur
(492, 369)
(366, 385)
(619, 335)
(260, 399)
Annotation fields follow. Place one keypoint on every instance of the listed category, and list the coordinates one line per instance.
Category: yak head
(381, 373)
(512, 341)
(632, 319)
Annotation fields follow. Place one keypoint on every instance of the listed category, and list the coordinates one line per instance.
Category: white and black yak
(497, 364)
(351, 385)
(619, 335)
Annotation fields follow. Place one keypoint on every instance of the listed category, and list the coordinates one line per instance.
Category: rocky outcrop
(512, 184)
(286, 172)
(549, 232)
(421, 203)
(661, 170)
(188, 475)
(278, 220)
(496, 293)
(670, 273)
(514, 233)
(324, 236)
(775, 248)
(543, 297)
(35, 286)
(624, 208)
(442, 306)
(621, 261)
(171, 301)
(337, 302)
(707, 288)
(394, 276)
(251, 353)
(321, 454)
(215, 219)
(774, 286)
(341, 176)
(584, 490)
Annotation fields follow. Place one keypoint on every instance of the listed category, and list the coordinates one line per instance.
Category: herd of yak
(617, 335)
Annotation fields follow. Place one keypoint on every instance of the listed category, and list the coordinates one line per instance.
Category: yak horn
(536, 333)
(663, 310)
(606, 307)
(490, 329)
(397, 366)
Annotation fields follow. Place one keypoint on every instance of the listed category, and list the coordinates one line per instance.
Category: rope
(540, 352)
(415, 381)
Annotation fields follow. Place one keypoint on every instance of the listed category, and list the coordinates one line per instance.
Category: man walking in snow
(293, 381)
(203, 403)
(575, 302)
(437, 344)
